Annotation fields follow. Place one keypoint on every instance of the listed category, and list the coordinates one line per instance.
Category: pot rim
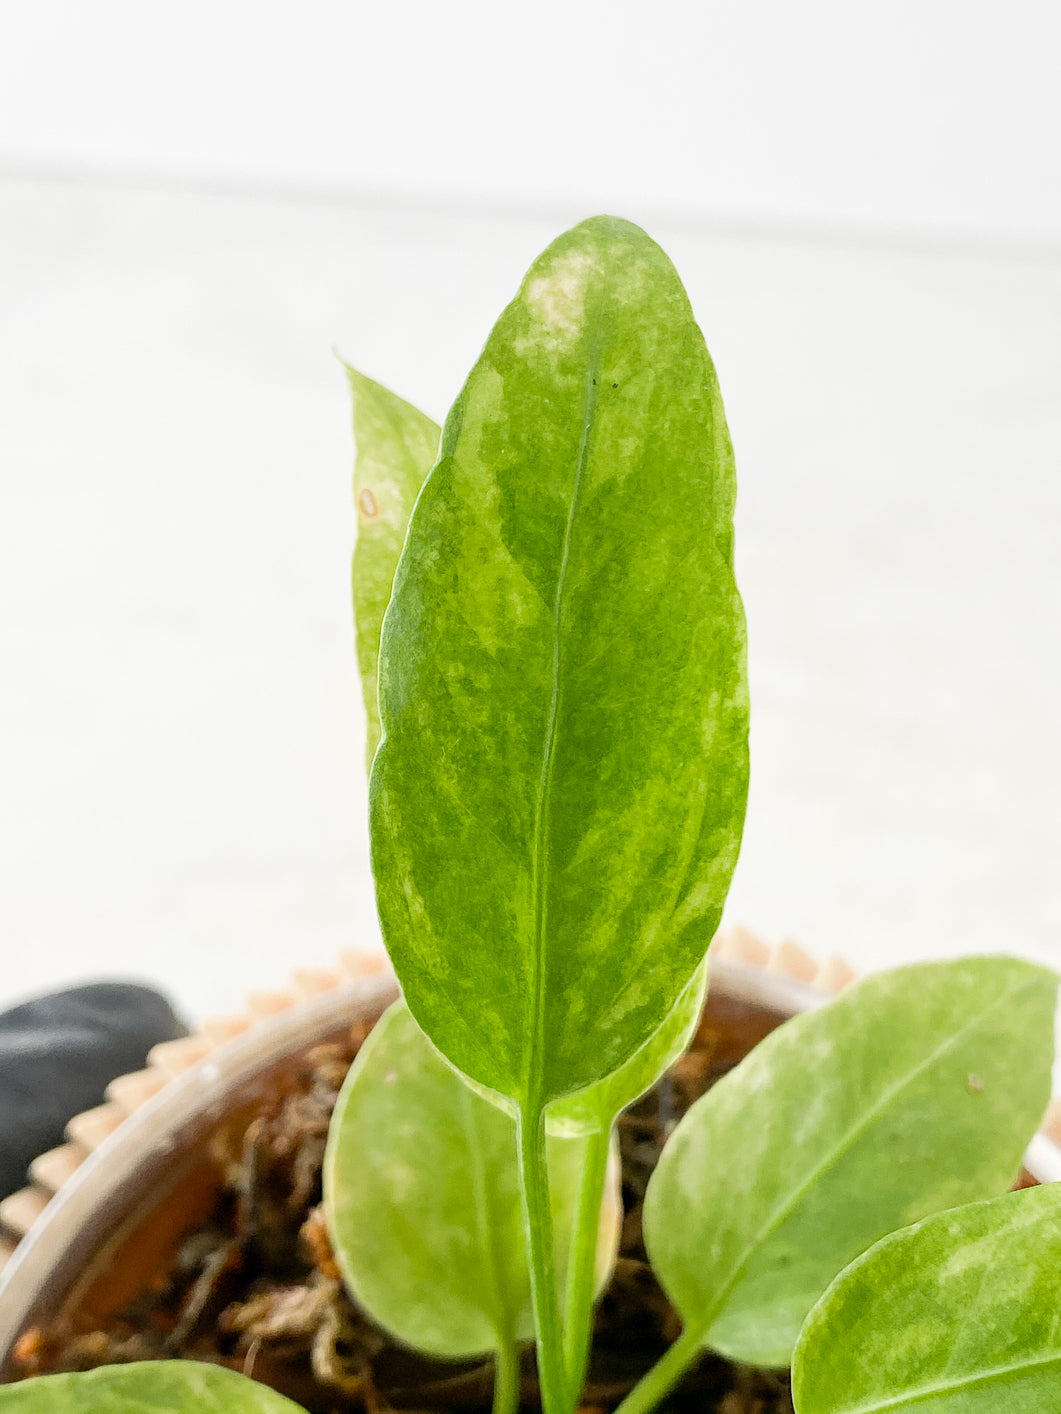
(58, 1244)
(53, 1251)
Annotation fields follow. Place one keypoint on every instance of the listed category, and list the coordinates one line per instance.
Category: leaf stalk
(537, 1212)
(664, 1374)
(582, 1262)
(506, 1377)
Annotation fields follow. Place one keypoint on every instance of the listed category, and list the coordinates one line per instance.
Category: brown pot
(120, 1216)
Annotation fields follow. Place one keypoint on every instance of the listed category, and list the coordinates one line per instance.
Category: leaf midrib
(532, 1097)
(843, 1147)
(907, 1401)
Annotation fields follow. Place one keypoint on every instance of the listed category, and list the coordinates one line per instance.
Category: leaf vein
(532, 1080)
(967, 1382)
(843, 1146)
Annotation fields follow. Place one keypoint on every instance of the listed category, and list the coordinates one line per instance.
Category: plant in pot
(558, 781)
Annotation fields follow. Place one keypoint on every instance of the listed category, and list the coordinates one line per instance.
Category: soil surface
(256, 1287)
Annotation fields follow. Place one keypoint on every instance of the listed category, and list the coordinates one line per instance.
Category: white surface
(181, 781)
(912, 115)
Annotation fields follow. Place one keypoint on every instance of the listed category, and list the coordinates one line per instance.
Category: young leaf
(421, 1192)
(595, 1108)
(150, 1387)
(956, 1315)
(395, 448)
(915, 1090)
(558, 798)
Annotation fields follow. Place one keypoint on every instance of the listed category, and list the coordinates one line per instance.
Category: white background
(934, 115)
(202, 200)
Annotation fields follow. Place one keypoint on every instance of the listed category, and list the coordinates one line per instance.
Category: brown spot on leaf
(369, 505)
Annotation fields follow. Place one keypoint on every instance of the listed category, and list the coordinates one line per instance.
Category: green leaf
(395, 448)
(150, 1387)
(558, 798)
(956, 1315)
(421, 1192)
(595, 1108)
(914, 1091)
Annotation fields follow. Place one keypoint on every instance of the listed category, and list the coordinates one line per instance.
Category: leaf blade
(421, 1192)
(568, 567)
(837, 1162)
(395, 448)
(595, 1108)
(148, 1387)
(955, 1315)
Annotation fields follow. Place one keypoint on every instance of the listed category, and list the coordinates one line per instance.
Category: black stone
(58, 1054)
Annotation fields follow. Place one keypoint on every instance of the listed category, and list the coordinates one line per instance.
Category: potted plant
(153, 1246)
(557, 798)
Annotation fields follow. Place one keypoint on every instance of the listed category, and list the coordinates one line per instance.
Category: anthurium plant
(552, 647)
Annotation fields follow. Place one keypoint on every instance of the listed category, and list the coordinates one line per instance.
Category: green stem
(664, 1374)
(534, 1182)
(582, 1261)
(506, 1377)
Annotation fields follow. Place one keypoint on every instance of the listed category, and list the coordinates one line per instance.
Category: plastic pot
(119, 1217)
